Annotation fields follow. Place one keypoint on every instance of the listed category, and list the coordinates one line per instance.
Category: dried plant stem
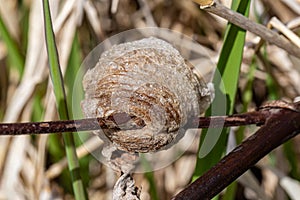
(293, 37)
(258, 29)
(282, 124)
(256, 117)
(50, 127)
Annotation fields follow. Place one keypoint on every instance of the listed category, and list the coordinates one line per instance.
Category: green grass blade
(14, 53)
(247, 98)
(74, 63)
(150, 177)
(230, 192)
(291, 155)
(57, 81)
(229, 67)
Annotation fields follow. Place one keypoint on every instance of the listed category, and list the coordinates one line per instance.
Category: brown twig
(256, 117)
(258, 29)
(88, 124)
(282, 124)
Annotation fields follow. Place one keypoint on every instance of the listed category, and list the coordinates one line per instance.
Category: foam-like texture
(144, 83)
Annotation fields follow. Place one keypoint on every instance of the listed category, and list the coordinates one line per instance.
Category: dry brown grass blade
(294, 5)
(87, 147)
(93, 18)
(278, 8)
(274, 22)
(32, 75)
(98, 19)
(35, 72)
(258, 29)
(10, 17)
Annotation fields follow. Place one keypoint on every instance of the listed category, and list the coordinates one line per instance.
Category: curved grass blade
(57, 81)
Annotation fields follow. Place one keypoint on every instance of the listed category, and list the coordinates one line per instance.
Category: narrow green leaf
(226, 83)
(14, 53)
(59, 91)
(74, 63)
(247, 98)
(230, 192)
(291, 156)
(150, 177)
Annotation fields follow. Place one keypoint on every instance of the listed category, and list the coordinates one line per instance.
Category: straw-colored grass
(34, 167)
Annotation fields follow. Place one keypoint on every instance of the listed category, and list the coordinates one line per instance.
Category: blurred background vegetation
(34, 167)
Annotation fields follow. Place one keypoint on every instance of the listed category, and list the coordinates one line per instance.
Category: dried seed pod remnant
(144, 82)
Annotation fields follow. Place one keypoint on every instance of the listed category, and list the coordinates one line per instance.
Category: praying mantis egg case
(144, 83)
